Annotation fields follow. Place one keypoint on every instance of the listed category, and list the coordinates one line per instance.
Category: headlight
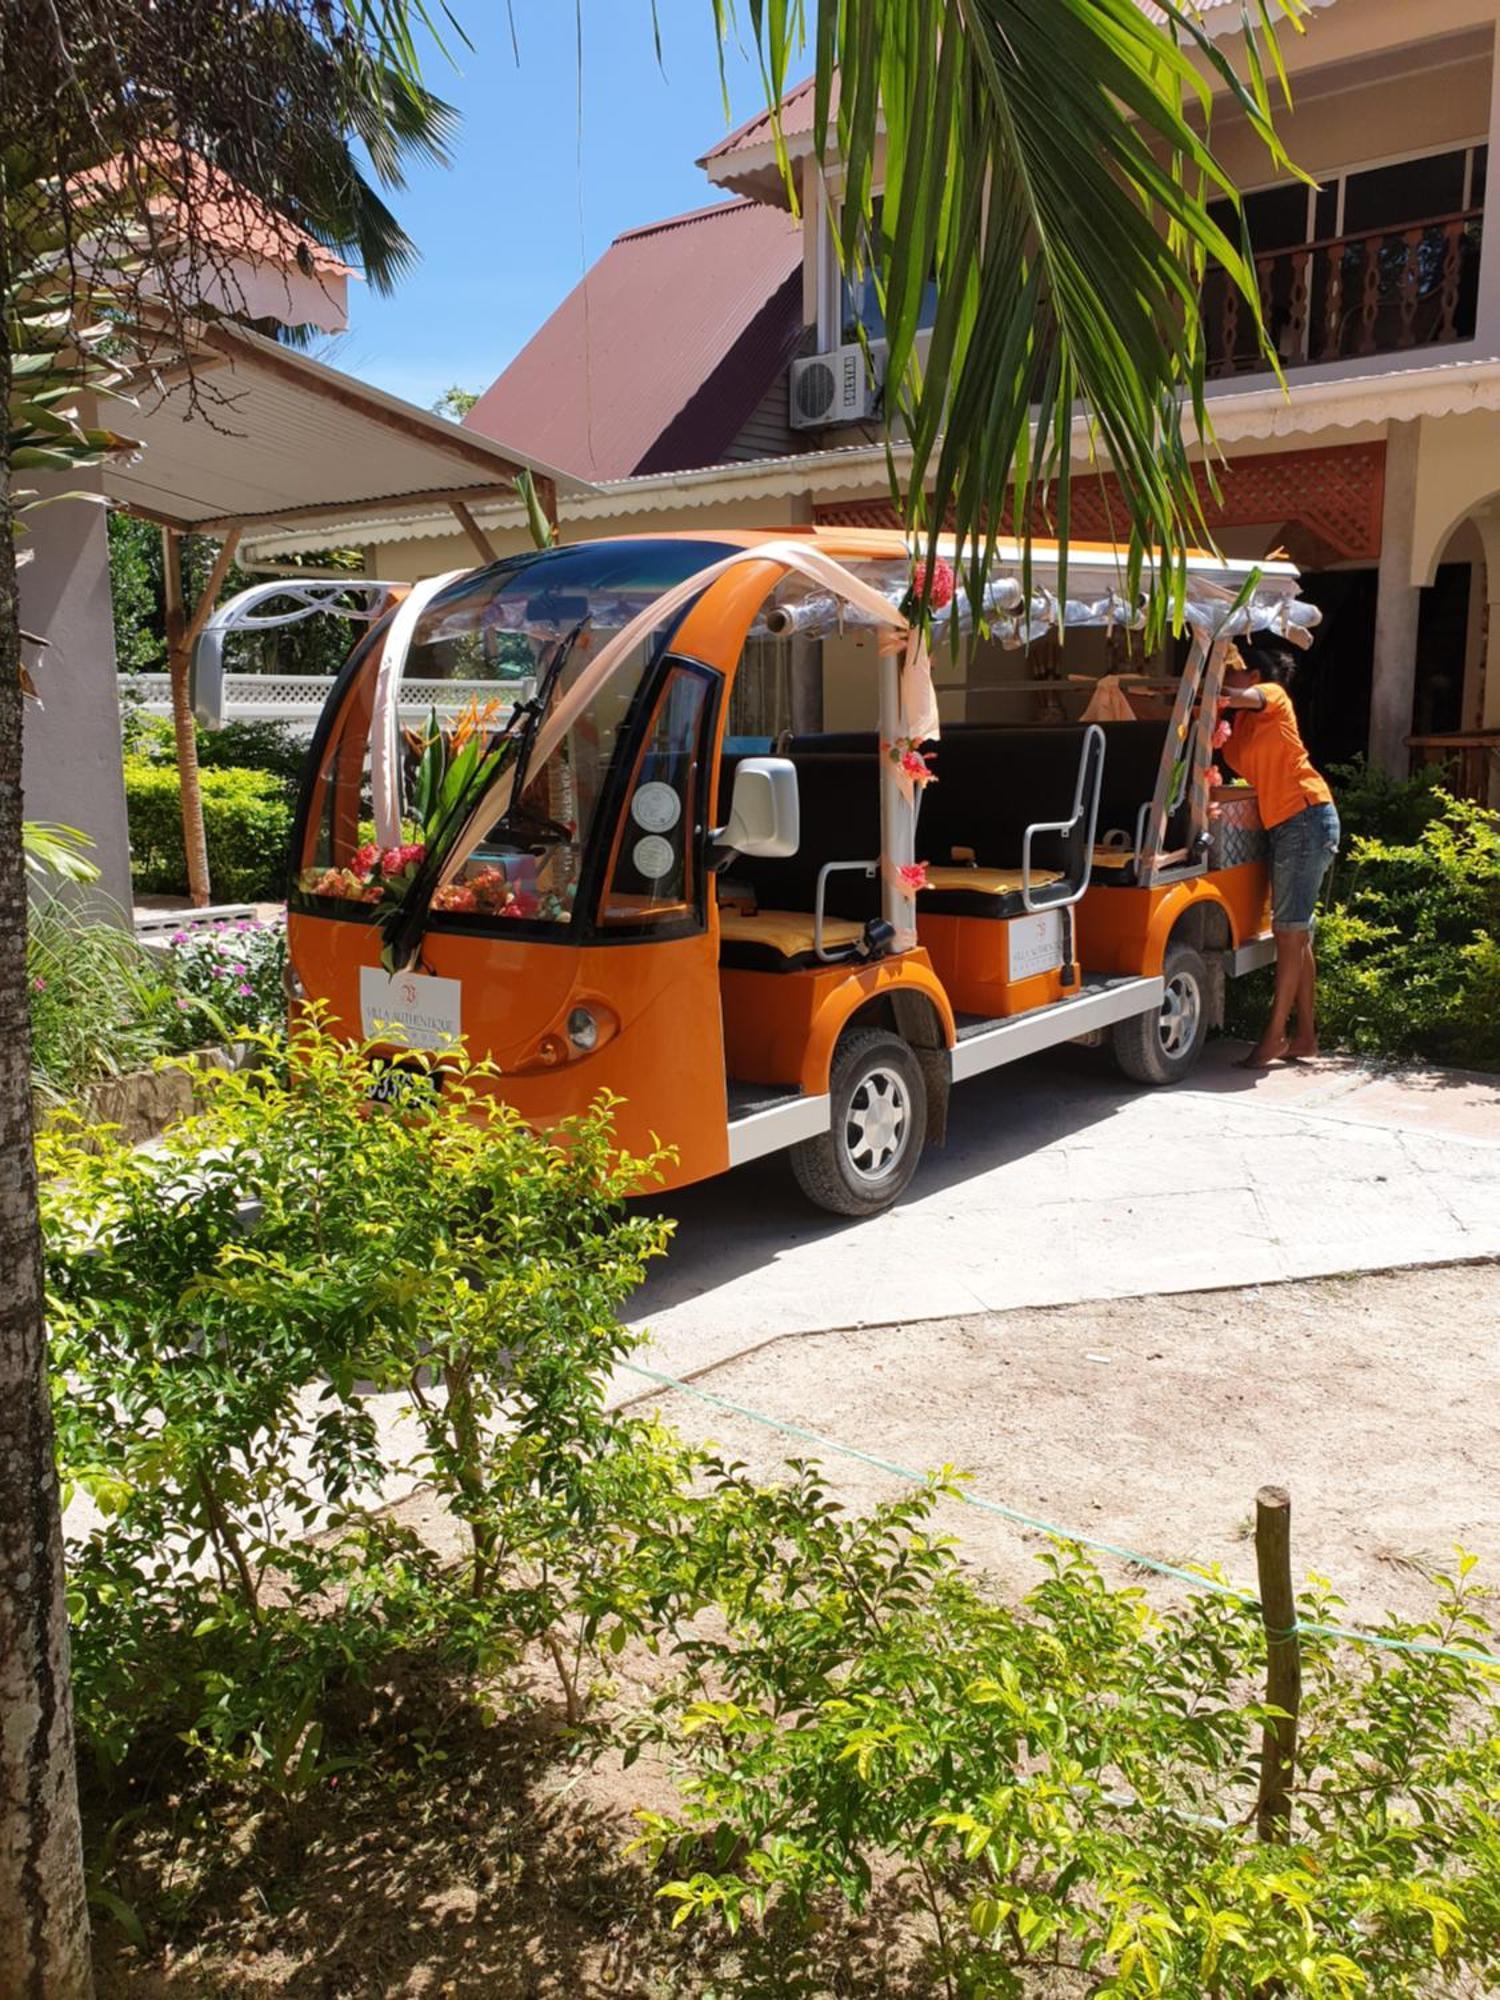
(583, 1030)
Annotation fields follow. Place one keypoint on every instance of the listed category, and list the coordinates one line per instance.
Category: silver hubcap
(1180, 1008)
(875, 1131)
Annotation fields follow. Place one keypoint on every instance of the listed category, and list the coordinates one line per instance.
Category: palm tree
(135, 144)
(1047, 163)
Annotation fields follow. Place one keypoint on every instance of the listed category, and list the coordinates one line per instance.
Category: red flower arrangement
(374, 875)
(490, 892)
(912, 875)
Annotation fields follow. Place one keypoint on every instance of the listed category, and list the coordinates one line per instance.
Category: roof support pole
(546, 493)
(482, 543)
(182, 633)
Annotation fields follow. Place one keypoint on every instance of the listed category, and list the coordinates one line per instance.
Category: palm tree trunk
(44, 1935)
(179, 656)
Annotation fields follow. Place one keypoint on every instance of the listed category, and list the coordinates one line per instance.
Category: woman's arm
(1251, 697)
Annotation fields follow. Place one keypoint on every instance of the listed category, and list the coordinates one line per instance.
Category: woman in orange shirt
(1296, 808)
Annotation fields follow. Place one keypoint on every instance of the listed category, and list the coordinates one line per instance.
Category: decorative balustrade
(298, 699)
(1380, 291)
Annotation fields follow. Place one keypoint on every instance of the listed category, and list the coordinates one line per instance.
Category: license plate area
(404, 1083)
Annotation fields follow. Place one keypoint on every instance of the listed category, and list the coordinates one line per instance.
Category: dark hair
(1272, 663)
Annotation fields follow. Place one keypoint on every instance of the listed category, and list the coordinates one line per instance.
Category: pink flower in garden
(184, 1006)
(39, 985)
(245, 992)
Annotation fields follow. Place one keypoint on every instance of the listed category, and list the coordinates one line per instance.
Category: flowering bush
(235, 971)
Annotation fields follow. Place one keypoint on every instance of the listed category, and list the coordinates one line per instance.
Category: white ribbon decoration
(385, 718)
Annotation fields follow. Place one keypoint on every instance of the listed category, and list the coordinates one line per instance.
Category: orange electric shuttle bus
(533, 818)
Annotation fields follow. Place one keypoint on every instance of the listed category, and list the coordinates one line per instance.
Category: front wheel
(1162, 1046)
(878, 1127)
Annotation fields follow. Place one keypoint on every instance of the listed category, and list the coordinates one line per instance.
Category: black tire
(877, 1130)
(1163, 1046)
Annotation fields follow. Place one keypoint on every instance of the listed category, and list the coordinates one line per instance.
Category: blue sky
(535, 193)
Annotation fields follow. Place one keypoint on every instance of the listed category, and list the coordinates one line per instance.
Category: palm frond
(1049, 164)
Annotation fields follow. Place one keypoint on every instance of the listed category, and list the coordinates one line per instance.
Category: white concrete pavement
(1062, 1182)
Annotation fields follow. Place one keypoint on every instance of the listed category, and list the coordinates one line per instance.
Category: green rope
(1196, 1579)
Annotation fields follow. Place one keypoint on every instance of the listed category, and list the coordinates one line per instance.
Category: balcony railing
(1381, 291)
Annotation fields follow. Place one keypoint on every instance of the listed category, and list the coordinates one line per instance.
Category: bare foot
(1263, 1055)
(1302, 1050)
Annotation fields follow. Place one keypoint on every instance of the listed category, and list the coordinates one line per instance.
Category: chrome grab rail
(1085, 806)
(871, 870)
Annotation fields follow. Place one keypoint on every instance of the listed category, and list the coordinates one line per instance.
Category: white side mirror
(764, 817)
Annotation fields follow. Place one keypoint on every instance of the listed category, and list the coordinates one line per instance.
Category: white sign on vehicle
(427, 1010)
(1035, 943)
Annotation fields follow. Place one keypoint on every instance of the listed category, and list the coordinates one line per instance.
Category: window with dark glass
(860, 300)
(653, 871)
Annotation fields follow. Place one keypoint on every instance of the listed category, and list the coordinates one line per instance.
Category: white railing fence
(298, 699)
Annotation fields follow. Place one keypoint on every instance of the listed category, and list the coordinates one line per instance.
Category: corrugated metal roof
(275, 433)
(663, 350)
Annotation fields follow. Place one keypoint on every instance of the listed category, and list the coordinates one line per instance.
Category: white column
(1397, 604)
(1487, 323)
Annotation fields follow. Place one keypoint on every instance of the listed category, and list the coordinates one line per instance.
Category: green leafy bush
(247, 822)
(101, 1003)
(241, 746)
(222, 1304)
(1409, 941)
(1069, 1786)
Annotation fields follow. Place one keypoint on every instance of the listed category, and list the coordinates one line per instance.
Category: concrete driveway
(1060, 1182)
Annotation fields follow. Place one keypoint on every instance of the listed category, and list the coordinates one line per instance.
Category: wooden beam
(272, 360)
(546, 493)
(204, 607)
(195, 846)
(339, 510)
(476, 534)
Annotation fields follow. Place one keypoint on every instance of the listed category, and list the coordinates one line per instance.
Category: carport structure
(242, 433)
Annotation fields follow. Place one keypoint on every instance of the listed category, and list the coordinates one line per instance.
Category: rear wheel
(1162, 1046)
(877, 1129)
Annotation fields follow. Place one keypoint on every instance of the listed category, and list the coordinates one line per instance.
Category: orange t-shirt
(1266, 749)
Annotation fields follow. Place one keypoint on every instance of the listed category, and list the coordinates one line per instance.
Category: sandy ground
(1151, 1422)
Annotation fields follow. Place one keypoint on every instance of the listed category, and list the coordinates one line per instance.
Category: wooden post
(1278, 1608)
(483, 545)
(182, 634)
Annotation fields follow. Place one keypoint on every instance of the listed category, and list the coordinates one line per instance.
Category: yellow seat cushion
(988, 881)
(788, 931)
(1113, 857)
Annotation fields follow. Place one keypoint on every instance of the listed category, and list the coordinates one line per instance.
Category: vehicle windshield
(490, 657)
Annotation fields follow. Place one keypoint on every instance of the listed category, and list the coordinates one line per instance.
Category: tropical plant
(60, 851)
(276, 95)
(247, 825)
(1049, 170)
(1066, 1791)
(212, 1356)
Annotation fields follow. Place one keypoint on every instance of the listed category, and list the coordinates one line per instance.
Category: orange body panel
(1127, 930)
(781, 1027)
(657, 1002)
(971, 956)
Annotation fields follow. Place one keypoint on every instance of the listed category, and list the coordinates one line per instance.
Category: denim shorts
(1302, 851)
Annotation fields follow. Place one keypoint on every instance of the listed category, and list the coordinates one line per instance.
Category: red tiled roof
(655, 360)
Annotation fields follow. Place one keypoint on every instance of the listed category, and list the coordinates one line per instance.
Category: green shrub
(101, 1003)
(220, 1305)
(1068, 1788)
(1409, 942)
(247, 823)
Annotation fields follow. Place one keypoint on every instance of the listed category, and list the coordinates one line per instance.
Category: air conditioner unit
(833, 388)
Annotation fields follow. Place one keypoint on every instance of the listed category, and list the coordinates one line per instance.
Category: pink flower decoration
(365, 858)
(913, 875)
(1221, 734)
(916, 767)
(939, 590)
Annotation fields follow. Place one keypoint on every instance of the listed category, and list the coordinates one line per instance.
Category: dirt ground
(489, 1862)
(1151, 1423)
